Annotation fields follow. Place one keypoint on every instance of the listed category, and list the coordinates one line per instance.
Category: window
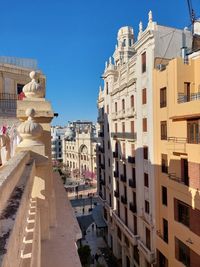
(162, 261)
(123, 127)
(165, 230)
(145, 152)
(123, 104)
(148, 239)
(130, 42)
(116, 127)
(118, 206)
(146, 179)
(132, 150)
(164, 163)
(144, 124)
(135, 224)
(108, 144)
(182, 252)
(144, 96)
(193, 131)
(147, 206)
(144, 62)
(115, 106)
(136, 254)
(124, 150)
(119, 233)
(163, 130)
(163, 97)
(132, 101)
(107, 109)
(126, 216)
(186, 92)
(20, 88)
(108, 128)
(107, 88)
(183, 213)
(132, 127)
(164, 195)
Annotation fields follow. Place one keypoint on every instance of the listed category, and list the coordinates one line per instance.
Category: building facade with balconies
(79, 149)
(126, 139)
(177, 162)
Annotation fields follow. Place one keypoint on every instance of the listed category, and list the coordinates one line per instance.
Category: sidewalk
(95, 243)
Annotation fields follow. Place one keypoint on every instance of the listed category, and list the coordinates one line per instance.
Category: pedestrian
(92, 226)
(96, 257)
(93, 259)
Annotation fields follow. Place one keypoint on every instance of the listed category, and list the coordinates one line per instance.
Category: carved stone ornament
(29, 130)
(33, 89)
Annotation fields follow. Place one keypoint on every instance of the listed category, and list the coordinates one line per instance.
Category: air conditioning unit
(161, 67)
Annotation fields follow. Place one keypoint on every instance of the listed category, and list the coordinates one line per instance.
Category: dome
(69, 134)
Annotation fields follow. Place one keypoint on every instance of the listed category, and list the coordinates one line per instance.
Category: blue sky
(71, 39)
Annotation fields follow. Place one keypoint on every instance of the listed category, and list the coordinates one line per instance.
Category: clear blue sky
(71, 39)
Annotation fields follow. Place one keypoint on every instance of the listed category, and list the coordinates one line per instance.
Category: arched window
(132, 101)
(123, 104)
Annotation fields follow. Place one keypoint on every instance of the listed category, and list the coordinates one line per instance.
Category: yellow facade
(177, 162)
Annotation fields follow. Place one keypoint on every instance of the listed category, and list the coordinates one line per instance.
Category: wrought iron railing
(187, 98)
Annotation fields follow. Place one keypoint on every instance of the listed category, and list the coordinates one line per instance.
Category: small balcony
(102, 166)
(132, 207)
(116, 193)
(116, 174)
(132, 183)
(187, 98)
(124, 135)
(149, 255)
(115, 154)
(100, 119)
(114, 116)
(131, 159)
(101, 134)
(131, 112)
(124, 200)
(123, 178)
(180, 180)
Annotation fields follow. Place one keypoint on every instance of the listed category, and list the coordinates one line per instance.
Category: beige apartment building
(14, 74)
(126, 146)
(79, 149)
(177, 162)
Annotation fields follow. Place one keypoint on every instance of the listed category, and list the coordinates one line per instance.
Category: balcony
(132, 183)
(124, 135)
(114, 116)
(115, 154)
(130, 113)
(102, 166)
(131, 159)
(100, 119)
(177, 144)
(184, 181)
(124, 200)
(101, 134)
(149, 255)
(116, 174)
(133, 238)
(187, 98)
(132, 207)
(123, 178)
(116, 193)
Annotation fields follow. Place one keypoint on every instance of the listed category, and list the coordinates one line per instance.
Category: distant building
(57, 135)
(79, 149)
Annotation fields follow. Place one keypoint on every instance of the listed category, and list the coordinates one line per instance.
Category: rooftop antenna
(191, 14)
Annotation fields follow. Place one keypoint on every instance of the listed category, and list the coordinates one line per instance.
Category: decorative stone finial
(33, 89)
(106, 65)
(140, 27)
(29, 130)
(150, 16)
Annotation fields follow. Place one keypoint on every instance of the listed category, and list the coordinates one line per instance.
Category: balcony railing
(115, 154)
(116, 194)
(187, 98)
(101, 134)
(184, 181)
(116, 174)
(132, 183)
(123, 178)
(131, 159)
(125, 135)
(124, 200)
(133, 207)
(149, 255)
(8, 101)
